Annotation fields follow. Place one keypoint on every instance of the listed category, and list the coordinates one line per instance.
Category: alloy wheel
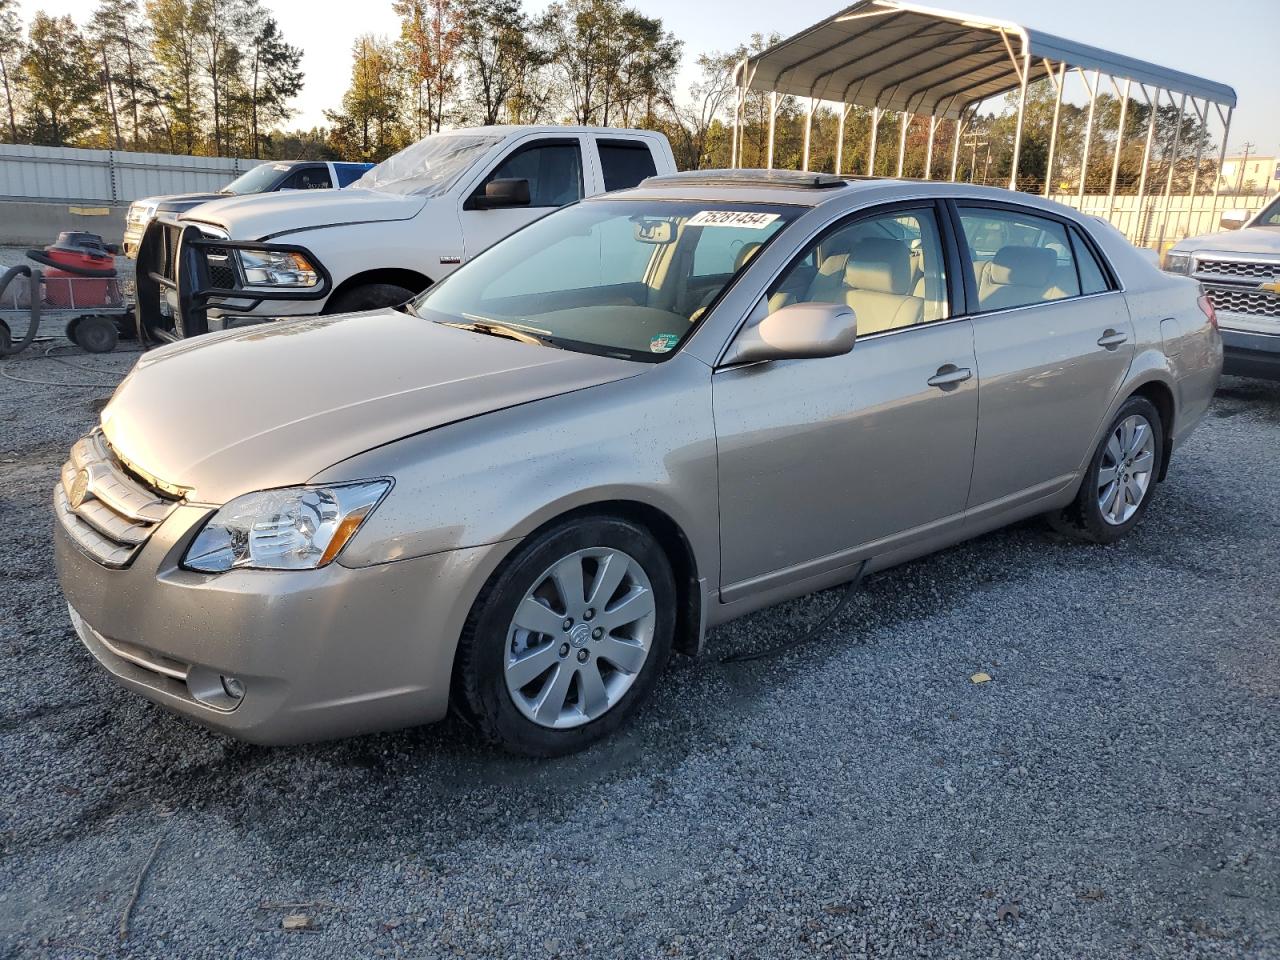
(1125, 473)
(579, 638)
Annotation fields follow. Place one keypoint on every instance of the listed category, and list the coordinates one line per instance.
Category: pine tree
(60, 82)
(276, 77)
(11, 51)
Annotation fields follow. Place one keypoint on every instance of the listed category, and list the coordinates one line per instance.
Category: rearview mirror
(513, 192)
(1233, 219)
(798, 331)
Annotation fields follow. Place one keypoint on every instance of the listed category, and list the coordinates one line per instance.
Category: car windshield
(258, 180)
(627, 278)
(428, 167)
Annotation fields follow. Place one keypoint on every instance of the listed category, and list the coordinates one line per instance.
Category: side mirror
(1233, 219)
(504, 193)
(798, 331)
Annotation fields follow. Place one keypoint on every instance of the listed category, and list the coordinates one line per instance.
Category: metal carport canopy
(903, 57)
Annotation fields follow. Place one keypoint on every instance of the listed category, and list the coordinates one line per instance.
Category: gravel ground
(1111, 792)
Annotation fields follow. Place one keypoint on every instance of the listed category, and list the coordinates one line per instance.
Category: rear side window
(1093, 279)
(1019, 259)
(625, 164)
(349, 172)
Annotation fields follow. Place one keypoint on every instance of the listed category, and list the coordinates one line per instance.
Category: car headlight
(142, 213)
(1177, 263)
(293, 528)
(273, 268)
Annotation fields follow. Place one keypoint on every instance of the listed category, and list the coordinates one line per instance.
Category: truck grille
(116, 512)
(1253, 303)
(1242, 269)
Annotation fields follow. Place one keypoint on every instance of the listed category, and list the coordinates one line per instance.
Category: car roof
(508, 129)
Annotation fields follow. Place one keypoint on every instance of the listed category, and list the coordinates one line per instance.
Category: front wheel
(1120, 481)
(568, 638)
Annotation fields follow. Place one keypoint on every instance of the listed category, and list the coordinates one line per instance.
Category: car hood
(1248, 240)
(183, 201)
(273, 405)
(260, 215)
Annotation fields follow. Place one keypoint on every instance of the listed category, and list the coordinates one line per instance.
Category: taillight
(1206, 307)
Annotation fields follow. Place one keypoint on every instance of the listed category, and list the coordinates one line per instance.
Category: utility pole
(974, 141)
(1249, 145)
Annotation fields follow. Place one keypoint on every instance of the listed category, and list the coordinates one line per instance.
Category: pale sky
(1235, 45)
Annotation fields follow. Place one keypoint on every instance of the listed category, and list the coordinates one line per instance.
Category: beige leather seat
(1016, 276)
(879, 286)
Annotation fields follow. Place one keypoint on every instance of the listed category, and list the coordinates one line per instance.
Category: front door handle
(948, 376)
(1112, 338)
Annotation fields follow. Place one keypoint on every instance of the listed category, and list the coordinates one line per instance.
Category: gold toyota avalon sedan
(639, 417)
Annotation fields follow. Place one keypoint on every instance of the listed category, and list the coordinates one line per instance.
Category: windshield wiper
(511, 331)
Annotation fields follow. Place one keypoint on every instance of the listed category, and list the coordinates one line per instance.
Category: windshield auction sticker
(742, 219)
(663, 342)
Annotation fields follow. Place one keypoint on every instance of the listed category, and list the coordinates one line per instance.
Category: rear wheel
(568, 638)
(1121, 478)
(368, 296)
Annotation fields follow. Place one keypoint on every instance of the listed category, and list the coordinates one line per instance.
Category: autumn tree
(60, 83)
(430, 35)
(11, 51)
(368, 126)
(500, 58)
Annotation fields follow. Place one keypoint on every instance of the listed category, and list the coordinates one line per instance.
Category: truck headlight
(1177, 263)
(293, 528)
(273, 268)
(142, 213)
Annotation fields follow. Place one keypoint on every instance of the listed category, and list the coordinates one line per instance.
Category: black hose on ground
(22, 270)
(40, 256)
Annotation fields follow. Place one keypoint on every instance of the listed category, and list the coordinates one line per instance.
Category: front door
(822, 458)
(1054, 342)
(554, 170)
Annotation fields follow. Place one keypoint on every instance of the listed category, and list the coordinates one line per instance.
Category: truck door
(554, 170)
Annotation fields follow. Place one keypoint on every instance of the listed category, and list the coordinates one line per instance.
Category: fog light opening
(233, 688)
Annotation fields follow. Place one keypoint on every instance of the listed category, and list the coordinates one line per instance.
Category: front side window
(309, 178)
(625, 164)
(607, 276)
(888, 268)
(554, 172)
(1018, 258)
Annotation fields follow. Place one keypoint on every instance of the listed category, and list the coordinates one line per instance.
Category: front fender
(648, 439)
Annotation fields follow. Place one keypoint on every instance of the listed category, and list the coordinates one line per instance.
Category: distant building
(1258, 174)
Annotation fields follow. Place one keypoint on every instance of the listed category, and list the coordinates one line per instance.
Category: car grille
(116, 512)
(1243, 269)
(1253, 303)
(222, 271)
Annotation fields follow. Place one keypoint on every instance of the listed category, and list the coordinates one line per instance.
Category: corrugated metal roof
(900, 56)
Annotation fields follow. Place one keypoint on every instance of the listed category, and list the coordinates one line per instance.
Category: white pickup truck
(407, 223)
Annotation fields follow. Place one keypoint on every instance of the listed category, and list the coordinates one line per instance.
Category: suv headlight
(273, 268)
(1177, 263)
(293, 528)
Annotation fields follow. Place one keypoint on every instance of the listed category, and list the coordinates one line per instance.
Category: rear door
(624, 161)
(555, 170)
(1053, 341)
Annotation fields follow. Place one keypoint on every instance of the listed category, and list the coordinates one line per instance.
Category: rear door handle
(1112, 338)
(949, 375)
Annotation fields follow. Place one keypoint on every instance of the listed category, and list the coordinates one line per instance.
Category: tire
(1086, 518)
(95, 334)
(549, 715)
(369, 296)
(6, 341)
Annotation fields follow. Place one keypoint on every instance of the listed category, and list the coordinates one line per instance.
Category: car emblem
(1272, 287)
(79, 489)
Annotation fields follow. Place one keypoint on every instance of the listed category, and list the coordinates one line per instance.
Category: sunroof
(794, 179)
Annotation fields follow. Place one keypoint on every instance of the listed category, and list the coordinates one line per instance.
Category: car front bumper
(318, 654)
(1247, 353)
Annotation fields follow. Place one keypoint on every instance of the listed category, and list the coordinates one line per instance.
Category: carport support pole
(1173, 162)
(871, 150)
(928, 155)
(808, 133)
(1203, 117)
(1024, 74)
(1088, 132)
(902, 142)
(773, 116)
(955, 147)
(844, 118)
(1222, 159)
(1059, 82)
(740, 100)
(1154, 108)
(1115, 161)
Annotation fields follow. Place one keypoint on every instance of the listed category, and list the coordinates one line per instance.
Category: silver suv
(1241, 273)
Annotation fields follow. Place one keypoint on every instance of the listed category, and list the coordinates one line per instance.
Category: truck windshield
(625, 278)
(258, 180)
(428, 167)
